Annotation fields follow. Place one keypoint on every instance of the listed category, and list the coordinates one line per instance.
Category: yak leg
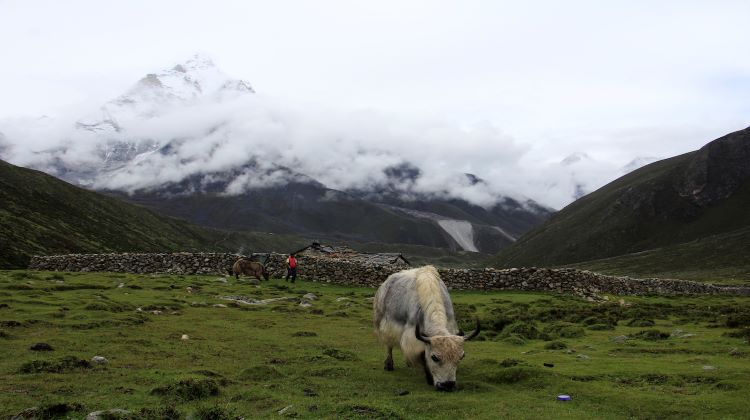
(389, 360)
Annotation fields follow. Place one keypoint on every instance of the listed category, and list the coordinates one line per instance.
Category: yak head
(441, 356)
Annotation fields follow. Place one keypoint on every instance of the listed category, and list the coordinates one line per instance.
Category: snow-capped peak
(575, 158)
(195, 80)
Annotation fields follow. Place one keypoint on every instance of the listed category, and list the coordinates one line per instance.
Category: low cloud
(254, 135)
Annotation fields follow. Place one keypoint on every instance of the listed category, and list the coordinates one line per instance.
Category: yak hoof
(389, 365)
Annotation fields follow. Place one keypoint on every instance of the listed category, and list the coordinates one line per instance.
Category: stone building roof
(319, 250)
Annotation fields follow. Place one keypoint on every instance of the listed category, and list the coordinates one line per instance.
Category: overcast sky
(614, 79)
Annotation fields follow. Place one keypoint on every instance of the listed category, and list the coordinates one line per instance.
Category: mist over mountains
(192, 119)
(186, 138)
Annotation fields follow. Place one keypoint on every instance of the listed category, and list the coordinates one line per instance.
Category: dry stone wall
(372, 274)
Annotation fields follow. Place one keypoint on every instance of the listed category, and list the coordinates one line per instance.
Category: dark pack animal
(250, 269)
(413, 311)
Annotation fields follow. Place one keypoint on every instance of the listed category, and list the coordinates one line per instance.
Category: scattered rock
(113, 413)
(401, 392)
(305, 304)
(189, 289)
(620, 338)
(687, 335)
(676, 333)
(583, 357)
(285, 410)
(121, 285)
(219, 305)
(99, 360)
(310, 296)
(184, 337)
(222, 280)
(157, 312)
(341, 299)
(735, 352)
(709, 367)
(41, 347)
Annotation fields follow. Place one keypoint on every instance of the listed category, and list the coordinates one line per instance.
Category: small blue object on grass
(563, 397)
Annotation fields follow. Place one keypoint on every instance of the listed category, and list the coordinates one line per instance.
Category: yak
(249, 268)
(413, 310)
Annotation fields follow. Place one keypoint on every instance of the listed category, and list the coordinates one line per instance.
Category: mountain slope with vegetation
(701, 194)
(40, 214)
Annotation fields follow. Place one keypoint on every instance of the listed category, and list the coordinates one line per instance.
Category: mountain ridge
(671, 201)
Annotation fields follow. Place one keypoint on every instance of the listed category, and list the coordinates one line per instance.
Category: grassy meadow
(646, 357)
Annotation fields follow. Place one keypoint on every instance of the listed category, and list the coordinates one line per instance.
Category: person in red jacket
(291, 268)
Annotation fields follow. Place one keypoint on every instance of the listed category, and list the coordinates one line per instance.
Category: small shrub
(738, 320)
(189, 389)
(641, 323)
(564, 330)
(63, 365)
(50, 411)
(260, 373)
(213, 413)
(513, 375)
(337, 354)
(555, 345)
(652, 335)
(506, 363)
(743, 333)
(601, 327)
(525, 330)
(514, 339)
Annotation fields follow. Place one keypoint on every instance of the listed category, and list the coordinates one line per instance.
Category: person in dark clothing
(291, 268)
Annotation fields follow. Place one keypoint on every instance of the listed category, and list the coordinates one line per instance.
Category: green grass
(324, 361)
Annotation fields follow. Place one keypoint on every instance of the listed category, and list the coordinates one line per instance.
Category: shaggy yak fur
(250, 269)
(413, 310)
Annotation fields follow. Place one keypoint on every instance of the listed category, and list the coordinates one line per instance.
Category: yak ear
(419, 335)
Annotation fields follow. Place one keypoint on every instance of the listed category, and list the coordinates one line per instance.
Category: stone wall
(371, 274)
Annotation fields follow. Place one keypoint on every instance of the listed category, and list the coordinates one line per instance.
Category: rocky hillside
(305, 206)
(673, 201)
(40, 214)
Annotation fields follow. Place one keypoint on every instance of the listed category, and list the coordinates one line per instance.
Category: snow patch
(461, 231)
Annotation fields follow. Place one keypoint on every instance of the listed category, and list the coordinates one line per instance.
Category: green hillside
(720, 258)
(702, 194)
(40, 214)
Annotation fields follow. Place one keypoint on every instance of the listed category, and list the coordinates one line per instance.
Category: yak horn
(419, 335)
(473, 333)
